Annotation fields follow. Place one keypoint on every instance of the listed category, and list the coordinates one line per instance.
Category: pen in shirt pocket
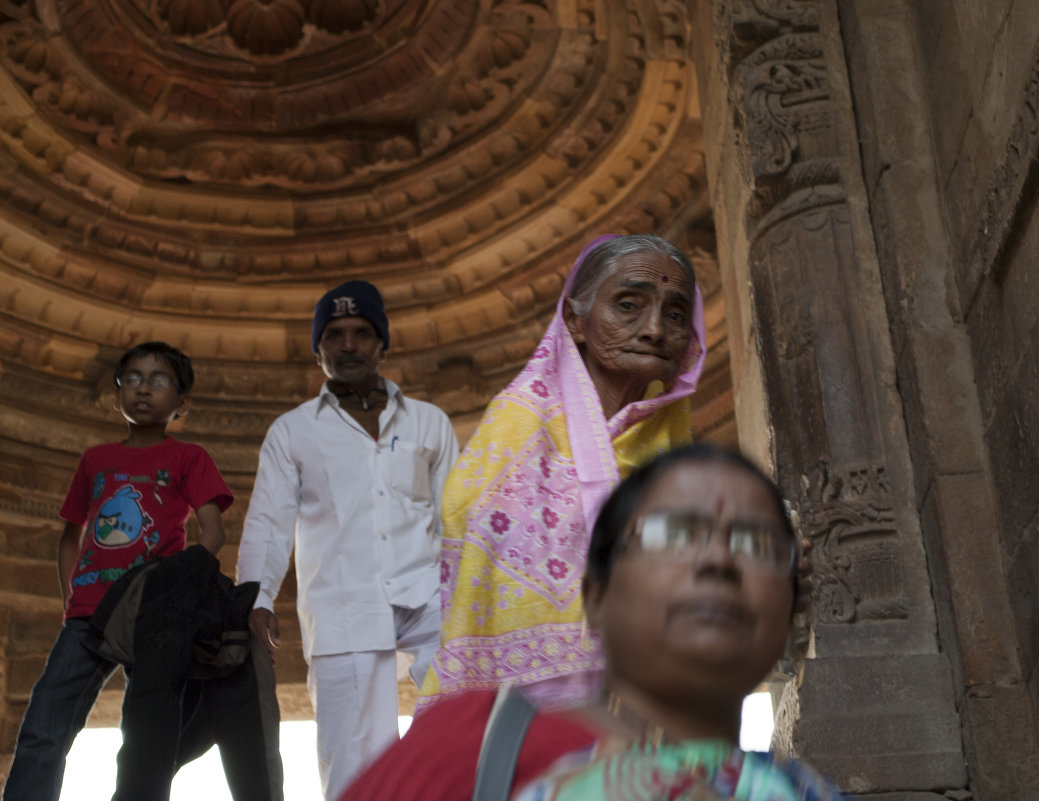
(393, 443)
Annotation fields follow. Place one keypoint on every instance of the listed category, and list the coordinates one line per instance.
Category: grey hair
(601, 263)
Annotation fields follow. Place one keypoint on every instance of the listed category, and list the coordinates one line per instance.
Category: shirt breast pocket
(410, 465)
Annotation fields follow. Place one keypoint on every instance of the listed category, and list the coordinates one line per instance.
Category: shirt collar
(326, 396)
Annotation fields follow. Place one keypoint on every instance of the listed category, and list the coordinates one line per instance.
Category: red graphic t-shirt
(134, 503)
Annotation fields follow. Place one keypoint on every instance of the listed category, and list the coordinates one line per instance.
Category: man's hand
(264, 624)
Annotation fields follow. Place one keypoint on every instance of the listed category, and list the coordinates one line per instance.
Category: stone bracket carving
(780, 94)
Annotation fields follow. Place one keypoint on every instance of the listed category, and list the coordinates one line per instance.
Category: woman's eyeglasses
(681, 535)
(155, 380)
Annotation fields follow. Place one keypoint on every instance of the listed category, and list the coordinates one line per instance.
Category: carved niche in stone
(847, 514)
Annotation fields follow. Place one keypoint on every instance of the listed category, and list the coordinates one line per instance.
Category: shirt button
(381, 493)
(384, 536)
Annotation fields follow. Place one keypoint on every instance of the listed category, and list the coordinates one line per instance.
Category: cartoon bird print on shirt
(120, 520)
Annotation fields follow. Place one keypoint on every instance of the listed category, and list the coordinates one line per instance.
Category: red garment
(134, 503)
(436, 759)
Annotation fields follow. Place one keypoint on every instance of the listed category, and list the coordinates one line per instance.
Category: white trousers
(355, 697)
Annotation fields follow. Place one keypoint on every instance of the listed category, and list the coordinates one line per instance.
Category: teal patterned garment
(693, 770)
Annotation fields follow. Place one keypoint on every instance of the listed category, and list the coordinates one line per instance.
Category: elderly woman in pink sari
(607, 388)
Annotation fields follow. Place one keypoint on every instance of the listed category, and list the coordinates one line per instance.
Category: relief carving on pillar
(742, 25)
(797, 13)
(797, 222)
(785, 117)
(779, 90)
(856, 556)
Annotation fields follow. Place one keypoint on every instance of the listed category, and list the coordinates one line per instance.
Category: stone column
(872, 705)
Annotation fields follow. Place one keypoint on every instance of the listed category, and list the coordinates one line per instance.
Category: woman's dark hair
(620, 507)
(178, 362)
(598, 265)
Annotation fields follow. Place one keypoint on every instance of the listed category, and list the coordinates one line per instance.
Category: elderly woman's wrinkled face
(688, 620)
(639, 322)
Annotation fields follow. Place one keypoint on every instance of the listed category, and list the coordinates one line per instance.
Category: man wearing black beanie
(353, 478)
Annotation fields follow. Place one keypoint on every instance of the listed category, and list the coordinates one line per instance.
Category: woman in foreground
(690, 585)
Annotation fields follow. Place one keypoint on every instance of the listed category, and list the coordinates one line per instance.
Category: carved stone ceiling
(200, 171)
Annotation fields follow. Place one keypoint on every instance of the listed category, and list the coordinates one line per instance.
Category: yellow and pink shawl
(518, 509)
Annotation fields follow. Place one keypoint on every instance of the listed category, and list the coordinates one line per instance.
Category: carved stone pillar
(872, 705)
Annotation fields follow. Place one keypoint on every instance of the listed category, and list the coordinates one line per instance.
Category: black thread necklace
(365, 401)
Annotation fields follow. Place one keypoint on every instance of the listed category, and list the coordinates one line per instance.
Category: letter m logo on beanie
(343, 307)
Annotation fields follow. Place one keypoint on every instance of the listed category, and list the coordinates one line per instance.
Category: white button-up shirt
(364, 516)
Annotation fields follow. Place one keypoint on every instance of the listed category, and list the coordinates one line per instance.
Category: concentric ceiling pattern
(201, 170)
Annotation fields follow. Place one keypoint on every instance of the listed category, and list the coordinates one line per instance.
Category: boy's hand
(264, 624)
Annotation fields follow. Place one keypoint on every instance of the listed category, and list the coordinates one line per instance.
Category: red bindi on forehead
(663, 279)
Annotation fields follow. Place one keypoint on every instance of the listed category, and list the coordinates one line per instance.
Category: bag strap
(502, 739)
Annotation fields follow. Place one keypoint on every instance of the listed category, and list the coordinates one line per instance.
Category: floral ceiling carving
(201, 170)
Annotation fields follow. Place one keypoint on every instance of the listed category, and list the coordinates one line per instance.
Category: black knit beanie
(352, 299)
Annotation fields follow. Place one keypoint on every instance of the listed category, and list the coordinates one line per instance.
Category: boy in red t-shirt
(127, 504)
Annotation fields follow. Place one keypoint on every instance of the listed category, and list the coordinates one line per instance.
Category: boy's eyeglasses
(680, 535)
(155, 380)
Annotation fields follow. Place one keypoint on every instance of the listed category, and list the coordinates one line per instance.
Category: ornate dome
(201, 171)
